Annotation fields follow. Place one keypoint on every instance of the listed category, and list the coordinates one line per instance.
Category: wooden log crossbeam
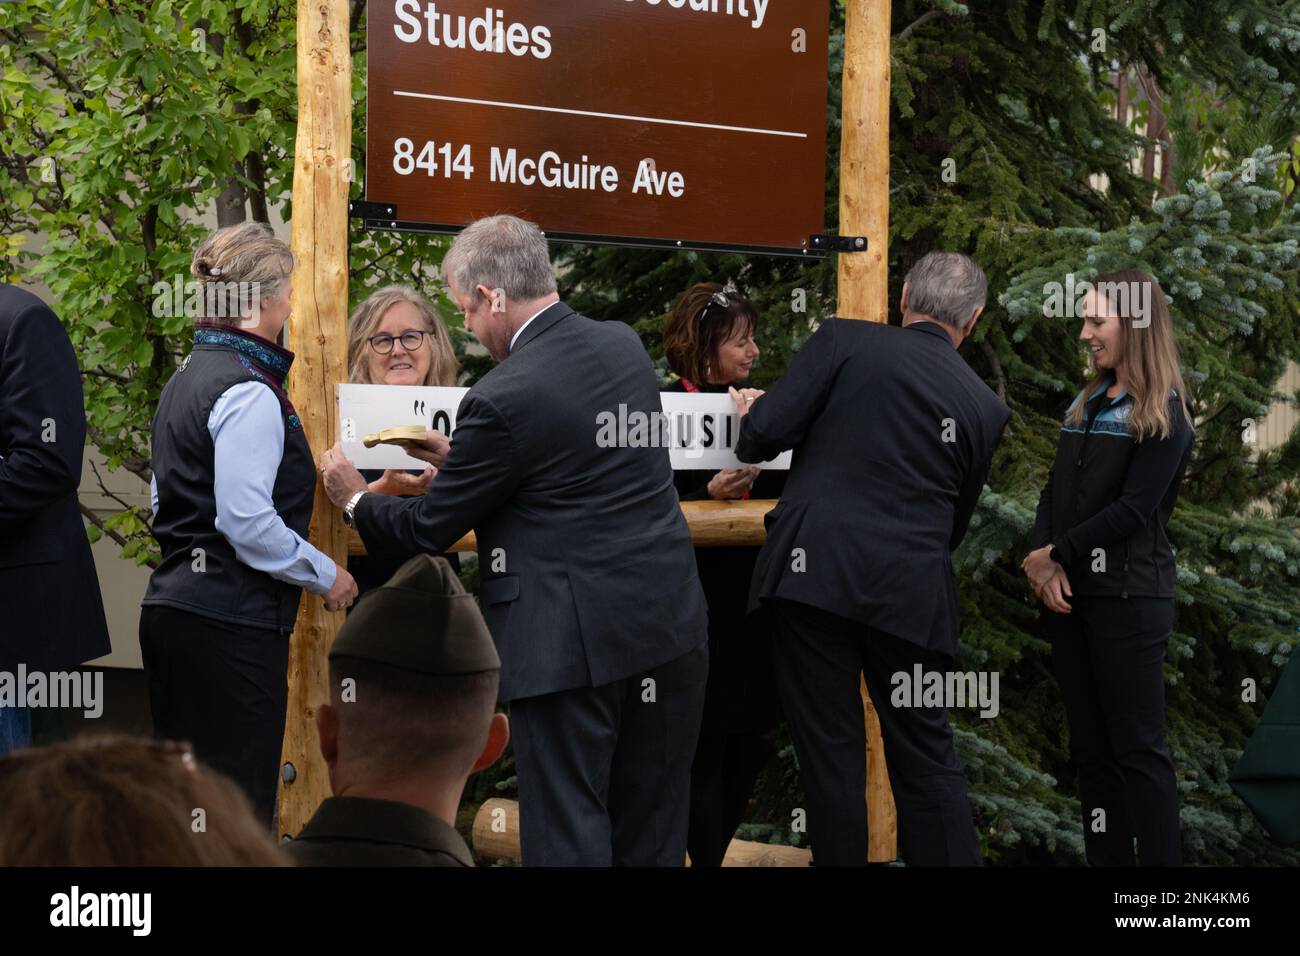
(496, 837)
(714, 524)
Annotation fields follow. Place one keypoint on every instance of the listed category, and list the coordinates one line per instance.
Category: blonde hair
(443, 367)
(238, 266)
(1148, 356)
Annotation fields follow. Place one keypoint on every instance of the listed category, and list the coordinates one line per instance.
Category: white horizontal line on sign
(620, 116)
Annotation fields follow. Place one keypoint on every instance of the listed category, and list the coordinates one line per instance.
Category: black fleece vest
(183, 459)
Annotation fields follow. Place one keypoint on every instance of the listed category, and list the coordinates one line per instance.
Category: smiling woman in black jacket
(1102, 562)
(709, 342)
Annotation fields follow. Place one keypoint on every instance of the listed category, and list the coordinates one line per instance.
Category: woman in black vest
(709, 343)
(233, 484)
(1103, 564)
(396, 338)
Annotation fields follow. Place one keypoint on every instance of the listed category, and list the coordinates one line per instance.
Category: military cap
(421, 620)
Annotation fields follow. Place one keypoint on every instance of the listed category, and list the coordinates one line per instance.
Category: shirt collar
(514, 337)
(264, 352)
(1101, 389)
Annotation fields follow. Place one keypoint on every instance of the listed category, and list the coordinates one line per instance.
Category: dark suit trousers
(1109, 654)
(604, 772)
(223, 688)
(819, 657)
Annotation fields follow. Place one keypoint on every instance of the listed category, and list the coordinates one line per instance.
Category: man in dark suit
(53, 613)
(589, 583)
(413, 681)
(892, 435)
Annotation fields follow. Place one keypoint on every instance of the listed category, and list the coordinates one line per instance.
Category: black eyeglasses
(383, 343)
(718, 298)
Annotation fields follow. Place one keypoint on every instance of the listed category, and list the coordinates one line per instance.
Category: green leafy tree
(124, 124)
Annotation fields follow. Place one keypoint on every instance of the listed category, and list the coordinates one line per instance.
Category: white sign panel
(705, 427)
(699, 430)
(369, 409)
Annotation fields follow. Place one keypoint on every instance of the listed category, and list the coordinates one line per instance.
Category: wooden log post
(863, 289)
(316, 334)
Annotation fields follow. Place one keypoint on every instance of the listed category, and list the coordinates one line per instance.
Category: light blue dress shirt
(247, 429)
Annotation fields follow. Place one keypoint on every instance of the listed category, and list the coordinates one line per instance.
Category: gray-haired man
(589, 583)
(892, 435)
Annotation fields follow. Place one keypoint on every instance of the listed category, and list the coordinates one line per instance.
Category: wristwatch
(350, 508)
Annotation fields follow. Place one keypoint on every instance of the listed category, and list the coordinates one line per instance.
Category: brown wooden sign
(660, 122)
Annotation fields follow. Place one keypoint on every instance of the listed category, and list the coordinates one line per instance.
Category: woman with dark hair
(709, 342)
(1101, 561)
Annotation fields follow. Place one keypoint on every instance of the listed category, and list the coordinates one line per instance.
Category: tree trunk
(230, 204)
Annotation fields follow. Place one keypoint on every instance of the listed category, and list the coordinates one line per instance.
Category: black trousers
(1108, 655)
(604, 772)
(224, 688)
(819, 657)
(722, 781)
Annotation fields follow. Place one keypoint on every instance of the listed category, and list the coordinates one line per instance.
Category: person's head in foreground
(413, 690)
(1129, 335)
(948, 288)
(498, 272)
(709, 338)
(122, 801)
(396, 338)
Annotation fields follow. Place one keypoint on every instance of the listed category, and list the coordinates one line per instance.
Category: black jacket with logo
(1107, 501)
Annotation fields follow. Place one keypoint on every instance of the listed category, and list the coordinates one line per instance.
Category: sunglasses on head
(718, 298)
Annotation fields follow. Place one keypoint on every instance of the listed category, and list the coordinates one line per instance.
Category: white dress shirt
(525, 325)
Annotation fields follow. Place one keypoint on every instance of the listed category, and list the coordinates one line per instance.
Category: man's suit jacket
(51, 610)
(892, 434)
(587, 570)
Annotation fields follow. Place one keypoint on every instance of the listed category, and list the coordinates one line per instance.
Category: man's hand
(1053, 594)
(744, 398)
(730, 483)
(342, 480)
(344, 591)
(397, 483)
(435, 449)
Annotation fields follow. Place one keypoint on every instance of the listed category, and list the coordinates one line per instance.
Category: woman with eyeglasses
(709, 343)
(396, 338)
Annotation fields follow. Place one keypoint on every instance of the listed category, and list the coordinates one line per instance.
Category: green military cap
(422, 620)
